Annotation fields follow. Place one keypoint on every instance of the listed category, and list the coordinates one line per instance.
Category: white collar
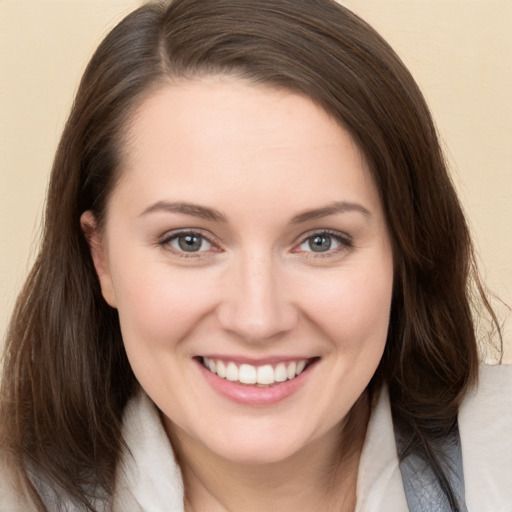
(379, 481)
(149, 478)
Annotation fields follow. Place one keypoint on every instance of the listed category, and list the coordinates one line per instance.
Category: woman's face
(245, 244)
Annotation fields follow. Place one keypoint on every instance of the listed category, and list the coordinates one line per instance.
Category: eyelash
(345, 243)
(168, 238)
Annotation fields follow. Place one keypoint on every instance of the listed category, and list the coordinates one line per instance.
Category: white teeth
(232, 372)
(248, 374)
(290, 370)
(280, 373)
(221, 369)
(265, 374)
(300, 367)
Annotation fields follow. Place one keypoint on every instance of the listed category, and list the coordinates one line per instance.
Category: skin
(261, 159)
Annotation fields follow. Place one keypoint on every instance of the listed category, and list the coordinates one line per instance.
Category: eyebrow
(331, 209)
(194, 210)
(206, 213)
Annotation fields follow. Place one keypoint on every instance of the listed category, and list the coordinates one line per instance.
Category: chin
(257, 445)
(257, 453)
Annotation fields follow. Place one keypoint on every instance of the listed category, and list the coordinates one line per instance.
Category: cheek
(369, 303)
(158, 309)
(158, 304)
(353, 307)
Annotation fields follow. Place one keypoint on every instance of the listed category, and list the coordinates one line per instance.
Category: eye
(319, 243)
(324, 242)
(188, 242)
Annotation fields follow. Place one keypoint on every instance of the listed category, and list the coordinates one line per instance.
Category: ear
(95, 240)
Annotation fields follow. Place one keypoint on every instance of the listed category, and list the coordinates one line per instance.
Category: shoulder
(30, 493)
(485, 423)
(494, 381)
(489, 403)
(12, 497)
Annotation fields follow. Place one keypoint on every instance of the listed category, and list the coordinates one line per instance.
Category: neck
(321, 476)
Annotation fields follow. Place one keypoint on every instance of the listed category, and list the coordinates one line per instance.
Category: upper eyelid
(169, 235)
(331, 232)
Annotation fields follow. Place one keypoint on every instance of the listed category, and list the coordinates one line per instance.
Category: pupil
(320, 243)
(190, 243)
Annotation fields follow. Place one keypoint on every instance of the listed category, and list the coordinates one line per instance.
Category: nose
(255, 305)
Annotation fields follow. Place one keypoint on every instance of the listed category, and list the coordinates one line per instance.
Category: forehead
(219, 134)
(201, 105)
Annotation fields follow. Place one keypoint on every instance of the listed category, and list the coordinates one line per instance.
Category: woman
(253, 254)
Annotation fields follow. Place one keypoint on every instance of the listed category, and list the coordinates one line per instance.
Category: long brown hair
(66, 378)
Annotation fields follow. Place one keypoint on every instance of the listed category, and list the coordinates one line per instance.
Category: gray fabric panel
(422, 489)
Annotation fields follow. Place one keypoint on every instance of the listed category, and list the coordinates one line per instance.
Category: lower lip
(253, 395)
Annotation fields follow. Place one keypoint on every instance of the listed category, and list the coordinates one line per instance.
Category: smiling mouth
(264, 375)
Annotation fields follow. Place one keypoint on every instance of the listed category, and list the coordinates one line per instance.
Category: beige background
(460, 51)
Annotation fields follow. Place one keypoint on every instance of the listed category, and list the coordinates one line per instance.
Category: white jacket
(149, 479)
